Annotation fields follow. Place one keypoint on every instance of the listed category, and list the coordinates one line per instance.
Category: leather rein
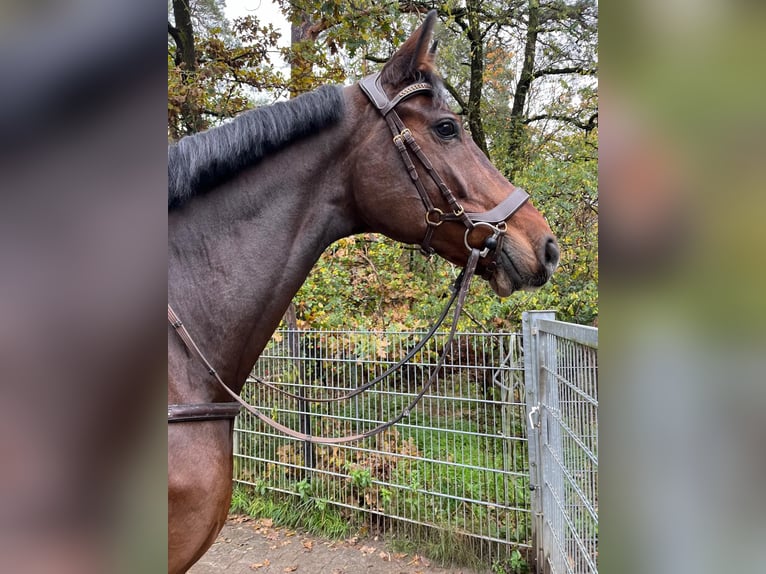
(494, 219)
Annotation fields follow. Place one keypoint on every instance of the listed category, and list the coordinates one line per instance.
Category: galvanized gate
(456, 467)
(561, 379)
(501, 454)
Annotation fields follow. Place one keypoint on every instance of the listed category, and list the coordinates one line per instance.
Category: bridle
(493, 219)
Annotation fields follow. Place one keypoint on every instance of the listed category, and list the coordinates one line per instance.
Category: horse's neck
(238, 255)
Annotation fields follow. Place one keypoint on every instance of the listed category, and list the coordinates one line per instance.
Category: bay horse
(252, 205)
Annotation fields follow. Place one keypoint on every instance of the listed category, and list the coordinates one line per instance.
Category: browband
(371, 86)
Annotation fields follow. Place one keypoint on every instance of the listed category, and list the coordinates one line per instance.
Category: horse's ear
(413, 59)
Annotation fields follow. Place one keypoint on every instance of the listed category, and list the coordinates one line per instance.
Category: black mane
(202, 161)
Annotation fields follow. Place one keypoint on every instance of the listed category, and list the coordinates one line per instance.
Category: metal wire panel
(569, 447)
(458, 462)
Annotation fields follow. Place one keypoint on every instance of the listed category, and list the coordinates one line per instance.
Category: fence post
(552, 457)
(304, 408)
(533, 397)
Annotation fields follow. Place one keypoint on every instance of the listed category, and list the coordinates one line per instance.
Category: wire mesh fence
(500, 457)
(458, 463)
(565, 445)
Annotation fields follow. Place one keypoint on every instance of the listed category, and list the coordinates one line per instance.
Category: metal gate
(561, 368)
(501, 454)
(455, 467)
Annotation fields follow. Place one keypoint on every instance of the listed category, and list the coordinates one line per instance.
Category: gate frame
(542, 388)
(548, 348)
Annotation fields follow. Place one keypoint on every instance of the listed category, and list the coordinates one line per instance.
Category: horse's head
(456, 198)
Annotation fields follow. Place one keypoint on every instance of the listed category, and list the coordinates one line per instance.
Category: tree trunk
(518, 129)
(299, 68)
(477, 76)
(186, 58)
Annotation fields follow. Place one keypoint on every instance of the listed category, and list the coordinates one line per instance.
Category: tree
(214, 66)
(559, 42)
(185, 58)
(522, 72)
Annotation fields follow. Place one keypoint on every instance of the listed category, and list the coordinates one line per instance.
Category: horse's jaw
(516, 272)
(501, 283)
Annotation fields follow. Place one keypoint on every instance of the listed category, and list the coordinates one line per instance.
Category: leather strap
(179, 413)
(502, 210)
(371, 86)
(462, 284)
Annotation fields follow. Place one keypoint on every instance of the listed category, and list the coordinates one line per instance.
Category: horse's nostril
(551, 252)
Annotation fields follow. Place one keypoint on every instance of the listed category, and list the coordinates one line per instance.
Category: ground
(249, 546)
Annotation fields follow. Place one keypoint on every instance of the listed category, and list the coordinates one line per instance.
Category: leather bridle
(494, 219)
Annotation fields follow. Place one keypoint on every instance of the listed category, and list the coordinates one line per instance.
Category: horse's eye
(446, 129)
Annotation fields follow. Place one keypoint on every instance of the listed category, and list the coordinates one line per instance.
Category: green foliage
(240, 499)
(563, 179)
(369, 281)
(351, 26)
(515, 564)
(230, 61)
(360, 478)
(372, 281)
(303, 488)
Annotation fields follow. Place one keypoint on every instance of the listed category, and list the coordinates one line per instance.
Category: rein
(460, 290)
(493, 219)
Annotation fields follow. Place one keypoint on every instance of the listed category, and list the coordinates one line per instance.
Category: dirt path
(247, 546)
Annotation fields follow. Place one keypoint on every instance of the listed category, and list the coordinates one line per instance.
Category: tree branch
(223, 115)
(570, 70)
(372, 265)
(173, 31)
(488, 29)
(454, 93)
(376, 59)
(588, 126)
(445, 11)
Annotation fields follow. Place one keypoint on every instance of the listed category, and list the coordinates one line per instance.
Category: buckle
(439, 214)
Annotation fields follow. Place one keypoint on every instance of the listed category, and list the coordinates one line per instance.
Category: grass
(442, 546)
(313, 515)
(320, 518)
(514, 564)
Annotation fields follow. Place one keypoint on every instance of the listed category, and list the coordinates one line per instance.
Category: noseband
(494, 219)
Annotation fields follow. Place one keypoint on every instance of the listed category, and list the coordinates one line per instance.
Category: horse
(252, 204)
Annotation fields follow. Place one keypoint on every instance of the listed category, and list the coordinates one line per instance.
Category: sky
(267, 12)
